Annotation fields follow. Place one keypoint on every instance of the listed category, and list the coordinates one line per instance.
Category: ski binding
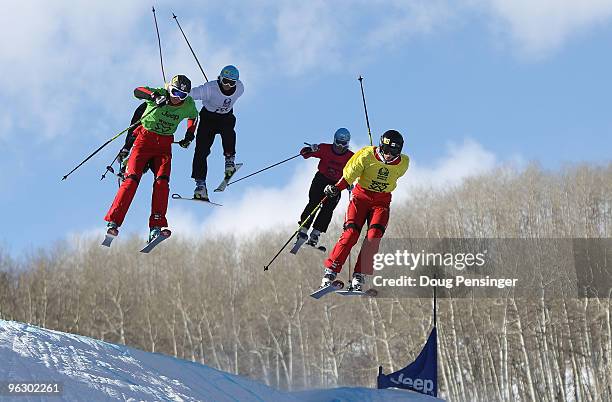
(302, 237)
(333, 287)
(179, 197)
(151, 245)
(227, 178)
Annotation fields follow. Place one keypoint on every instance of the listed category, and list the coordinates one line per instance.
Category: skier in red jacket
(332, 157)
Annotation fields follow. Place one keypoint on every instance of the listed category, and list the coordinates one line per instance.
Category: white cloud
(460, 162)
(406, 19)
(277, 208)
(539, 27)
(60, 55)
(308, 36)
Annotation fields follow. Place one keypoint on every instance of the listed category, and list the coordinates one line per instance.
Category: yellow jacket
(373, 174)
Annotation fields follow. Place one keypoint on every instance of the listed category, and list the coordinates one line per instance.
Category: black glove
(160, 100)
(309, 148)
(187, 140)
(331, 191)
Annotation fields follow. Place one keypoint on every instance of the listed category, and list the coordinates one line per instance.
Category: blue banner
(420, 375)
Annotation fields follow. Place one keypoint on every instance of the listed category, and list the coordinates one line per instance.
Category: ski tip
(107, 241)
(176, 196)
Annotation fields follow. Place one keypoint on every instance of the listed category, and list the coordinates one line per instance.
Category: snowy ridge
(93, 370)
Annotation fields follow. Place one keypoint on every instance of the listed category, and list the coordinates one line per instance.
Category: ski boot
(314, 238)
(302, 234)
(156, 236)
(230, 166)
(112, 230)
(300, 239)
(200, 192)
(358, 282)
(329, 284)
(329, 277)
(153, 233)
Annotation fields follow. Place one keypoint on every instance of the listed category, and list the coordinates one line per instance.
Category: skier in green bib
(153, 144)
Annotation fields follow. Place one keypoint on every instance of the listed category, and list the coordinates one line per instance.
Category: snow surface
(93, 370)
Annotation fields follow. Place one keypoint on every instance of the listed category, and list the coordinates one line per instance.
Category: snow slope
(93, 370)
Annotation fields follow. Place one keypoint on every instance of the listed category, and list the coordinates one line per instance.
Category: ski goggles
(340, 143)
(227, 81)
(390, 149)
(177, 93)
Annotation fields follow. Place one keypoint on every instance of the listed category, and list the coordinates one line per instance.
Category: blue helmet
(230, 72)
(342, 137)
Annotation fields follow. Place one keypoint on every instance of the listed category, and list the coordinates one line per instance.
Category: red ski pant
(156, 148)
(364, 206)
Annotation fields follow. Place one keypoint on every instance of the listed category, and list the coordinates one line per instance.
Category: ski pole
(108, 142)
(266, 168)
(365, 108)
(190, 48)
(314, 211)
(161, 59)
(109, 168)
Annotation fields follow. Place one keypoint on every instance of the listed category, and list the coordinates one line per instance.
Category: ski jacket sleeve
(191, 128)
(342, 184)
(200, 92)
(239, 89)
(355, 166)
(143, 93)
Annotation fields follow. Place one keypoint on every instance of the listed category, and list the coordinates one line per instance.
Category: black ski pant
(210, 125)
(315, 195)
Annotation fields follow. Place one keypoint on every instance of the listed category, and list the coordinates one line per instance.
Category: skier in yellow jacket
(376, 170)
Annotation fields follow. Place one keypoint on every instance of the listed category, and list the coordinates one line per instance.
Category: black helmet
(391, 142)
(181, 83)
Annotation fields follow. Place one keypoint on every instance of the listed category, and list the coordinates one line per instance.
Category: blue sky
(472, 84)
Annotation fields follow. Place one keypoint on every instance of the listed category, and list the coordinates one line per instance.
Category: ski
(351, 292)
(179, 197)
(108, 240)
(151, 245)
(333, 287)
(302, 237)
(227, 178)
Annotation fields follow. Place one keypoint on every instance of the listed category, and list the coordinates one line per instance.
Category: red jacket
(331, 163)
